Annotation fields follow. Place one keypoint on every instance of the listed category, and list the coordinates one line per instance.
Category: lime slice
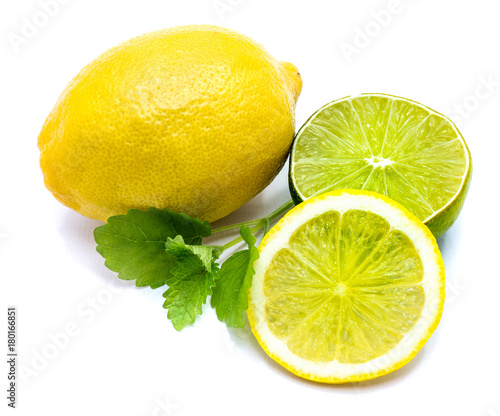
(349, 286)
(389, 145)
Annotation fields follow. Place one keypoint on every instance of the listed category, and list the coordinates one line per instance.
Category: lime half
(390, 145)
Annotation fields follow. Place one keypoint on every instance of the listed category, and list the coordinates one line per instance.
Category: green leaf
(134, 244)
(191, 280)
(230, 295)
(178, 247)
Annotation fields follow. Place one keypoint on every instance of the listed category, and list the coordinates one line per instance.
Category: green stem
(257, 224)
(267, 226)
(233, 226)
(281, 210)
(287, 206)
(239, 239)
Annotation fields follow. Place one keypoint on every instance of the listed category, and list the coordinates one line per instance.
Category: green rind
(442, 222)
(293, 192)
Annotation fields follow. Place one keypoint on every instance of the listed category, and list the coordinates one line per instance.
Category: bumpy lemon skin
(198, 119)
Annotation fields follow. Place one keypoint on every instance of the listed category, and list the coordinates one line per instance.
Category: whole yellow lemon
(197, 119)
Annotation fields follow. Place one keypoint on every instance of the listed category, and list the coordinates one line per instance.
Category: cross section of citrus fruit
(386, 144)
(348, 287)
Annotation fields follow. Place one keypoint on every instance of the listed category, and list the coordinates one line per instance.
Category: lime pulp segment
(346, 288)
(384, 144)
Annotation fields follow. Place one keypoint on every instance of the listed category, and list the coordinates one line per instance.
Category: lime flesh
(388, 145)
(347, 288)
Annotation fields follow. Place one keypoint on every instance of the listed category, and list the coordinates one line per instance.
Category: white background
(123, 356)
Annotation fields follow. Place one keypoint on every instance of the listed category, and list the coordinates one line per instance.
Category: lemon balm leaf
(160, 247)
(191, 280)
(230, 288)
(230, 295)
(178, 247)
(134, 244)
